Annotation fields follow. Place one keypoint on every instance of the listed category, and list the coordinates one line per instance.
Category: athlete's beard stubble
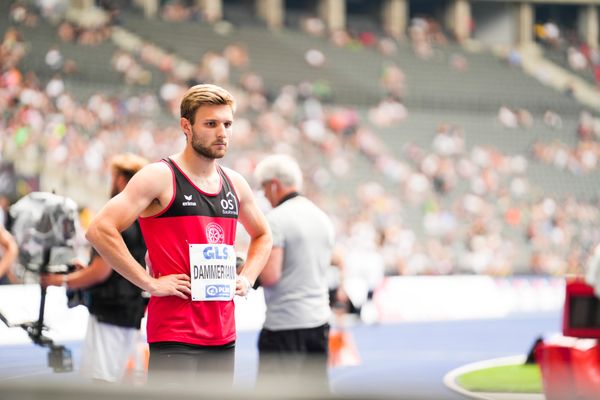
(207, 151)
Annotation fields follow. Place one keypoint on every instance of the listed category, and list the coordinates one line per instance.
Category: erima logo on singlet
(188, 201)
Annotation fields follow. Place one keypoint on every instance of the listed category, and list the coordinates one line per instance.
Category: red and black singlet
(192, 217)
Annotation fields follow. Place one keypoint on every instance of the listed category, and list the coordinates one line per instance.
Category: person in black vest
(116, 305)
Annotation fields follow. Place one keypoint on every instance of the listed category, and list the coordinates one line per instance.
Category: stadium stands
(364, 162)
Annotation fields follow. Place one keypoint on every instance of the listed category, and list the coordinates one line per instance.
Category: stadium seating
(435, 93)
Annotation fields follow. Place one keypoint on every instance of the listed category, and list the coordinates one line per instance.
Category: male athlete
(188, 207)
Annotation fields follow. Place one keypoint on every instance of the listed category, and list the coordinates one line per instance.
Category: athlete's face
(209, 136)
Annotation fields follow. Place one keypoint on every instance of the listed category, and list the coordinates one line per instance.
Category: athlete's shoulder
(152, 178)
(235, 177)
(231, 173)
(240, 185)
(158, 168)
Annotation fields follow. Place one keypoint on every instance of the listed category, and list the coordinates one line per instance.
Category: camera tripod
(59, 357)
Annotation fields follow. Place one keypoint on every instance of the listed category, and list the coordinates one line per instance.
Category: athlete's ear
(186, 127)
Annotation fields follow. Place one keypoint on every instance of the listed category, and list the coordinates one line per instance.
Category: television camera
(47, 231)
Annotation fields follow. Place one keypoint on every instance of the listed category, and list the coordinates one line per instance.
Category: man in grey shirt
(294, 338)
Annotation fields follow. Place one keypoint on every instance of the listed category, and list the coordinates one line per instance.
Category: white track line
(450, 377)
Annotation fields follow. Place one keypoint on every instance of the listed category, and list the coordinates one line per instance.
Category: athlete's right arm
(144, 191)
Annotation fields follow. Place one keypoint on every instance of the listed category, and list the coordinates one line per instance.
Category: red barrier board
(570, 370)
(557, 374)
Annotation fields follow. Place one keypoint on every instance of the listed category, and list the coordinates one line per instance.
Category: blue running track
(407, 360)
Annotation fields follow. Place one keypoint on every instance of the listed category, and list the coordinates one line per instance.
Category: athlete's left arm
(255, 223)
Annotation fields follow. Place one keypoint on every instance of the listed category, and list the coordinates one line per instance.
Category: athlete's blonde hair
(205, 94)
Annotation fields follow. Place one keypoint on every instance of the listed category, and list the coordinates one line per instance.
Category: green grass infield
(522, 378)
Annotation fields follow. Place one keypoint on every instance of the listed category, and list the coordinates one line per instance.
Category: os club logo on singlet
(229, 204)
(215, 233)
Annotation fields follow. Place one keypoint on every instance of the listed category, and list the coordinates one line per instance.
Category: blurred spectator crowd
(445, 209)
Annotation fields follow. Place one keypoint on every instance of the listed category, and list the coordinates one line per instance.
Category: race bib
(212, 269)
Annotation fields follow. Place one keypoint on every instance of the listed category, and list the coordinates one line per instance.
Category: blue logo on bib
(217, 291)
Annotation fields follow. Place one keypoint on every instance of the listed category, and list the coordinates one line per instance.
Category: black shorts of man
(293, 344)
